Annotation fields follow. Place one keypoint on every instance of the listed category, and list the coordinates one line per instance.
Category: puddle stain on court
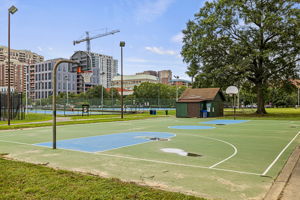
(180, 152)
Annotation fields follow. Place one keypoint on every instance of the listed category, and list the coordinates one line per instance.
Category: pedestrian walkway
(292, 188)
(287, 184)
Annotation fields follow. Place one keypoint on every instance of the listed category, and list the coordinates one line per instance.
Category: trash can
(154, 112)
(204, 113)
(151, 112)
(167, 112)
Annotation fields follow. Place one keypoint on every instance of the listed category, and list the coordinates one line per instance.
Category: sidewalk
(292, 188)
(287, 184)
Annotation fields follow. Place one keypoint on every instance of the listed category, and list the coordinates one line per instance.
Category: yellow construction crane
(88, 38)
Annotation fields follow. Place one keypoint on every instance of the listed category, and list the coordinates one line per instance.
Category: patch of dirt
(233, 187)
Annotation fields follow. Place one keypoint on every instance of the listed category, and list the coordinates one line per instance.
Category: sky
(152, 29)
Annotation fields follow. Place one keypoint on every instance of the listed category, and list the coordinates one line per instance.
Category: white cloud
(177, 38)
(50, 48)
(160, 51)
(150, 10)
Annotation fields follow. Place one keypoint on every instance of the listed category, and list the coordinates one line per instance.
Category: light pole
(102, 73)
(54, 96)
(122, 44)
(67, 79)
(26, 88)
(11, 10)
(177, 77)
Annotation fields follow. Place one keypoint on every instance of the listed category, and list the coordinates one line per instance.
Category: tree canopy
(148, 90)
(244, 41)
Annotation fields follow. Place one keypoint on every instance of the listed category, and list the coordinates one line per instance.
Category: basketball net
(87, 76)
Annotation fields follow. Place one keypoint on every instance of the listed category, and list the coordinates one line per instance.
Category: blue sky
(150, 28)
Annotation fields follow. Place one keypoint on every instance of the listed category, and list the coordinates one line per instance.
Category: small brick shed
(200, 102)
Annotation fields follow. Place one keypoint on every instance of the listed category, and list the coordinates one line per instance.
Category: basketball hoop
(232, 90)
(87, 76)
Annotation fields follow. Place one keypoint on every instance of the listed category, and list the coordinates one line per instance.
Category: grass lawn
(89, 119)
(19, 180)
(273, 114)
(30, 117)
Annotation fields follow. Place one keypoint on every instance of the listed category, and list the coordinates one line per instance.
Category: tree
(113, 93)
(148, 90)
(193, 70)
(96, 92)
(242, 41)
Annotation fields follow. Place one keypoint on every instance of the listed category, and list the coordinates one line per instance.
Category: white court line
(234, 153)
(218, 163)
(178, 164)
(141, 159)
(275, 160)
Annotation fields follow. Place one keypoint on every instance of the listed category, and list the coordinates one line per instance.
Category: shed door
(193, 109)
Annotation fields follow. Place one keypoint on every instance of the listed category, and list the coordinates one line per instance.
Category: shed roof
(200, 94)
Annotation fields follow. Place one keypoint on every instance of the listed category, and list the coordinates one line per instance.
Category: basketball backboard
(84, 59)
(232, 90)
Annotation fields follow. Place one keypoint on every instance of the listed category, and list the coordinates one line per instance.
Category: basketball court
(238, 160)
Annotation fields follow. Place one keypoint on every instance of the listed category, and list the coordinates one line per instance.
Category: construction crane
(88, 38)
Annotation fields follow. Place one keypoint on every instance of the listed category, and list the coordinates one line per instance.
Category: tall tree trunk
(260, 99)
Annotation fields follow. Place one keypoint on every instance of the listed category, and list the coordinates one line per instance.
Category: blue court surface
(108, 142)
(224, 121)
(191, 127)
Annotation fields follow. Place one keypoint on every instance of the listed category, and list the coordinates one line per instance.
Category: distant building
(165, 76)
(40, 78)
(104, 68)
(23, 56)
(5, 89)
(150, 72)
(17, 75)
(125, 92)
(180, 82)
(129, 81)
(18, 60)
(296, 82)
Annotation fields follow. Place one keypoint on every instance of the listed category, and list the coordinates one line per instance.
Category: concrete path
(292, 188)
(287, 184)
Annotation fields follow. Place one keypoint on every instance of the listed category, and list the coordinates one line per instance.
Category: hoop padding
(87, 76)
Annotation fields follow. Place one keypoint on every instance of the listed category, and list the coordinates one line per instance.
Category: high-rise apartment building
(104, 69)
(40, 77)
(17, 75)
(18, 61)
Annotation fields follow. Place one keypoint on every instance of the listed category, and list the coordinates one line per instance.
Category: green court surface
(238, 161)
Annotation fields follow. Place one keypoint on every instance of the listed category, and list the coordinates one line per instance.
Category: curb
(283, 178)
